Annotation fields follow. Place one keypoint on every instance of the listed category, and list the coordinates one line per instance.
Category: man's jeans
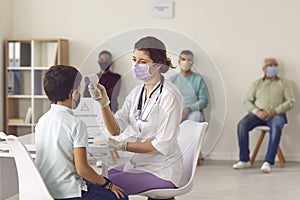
(249, 122)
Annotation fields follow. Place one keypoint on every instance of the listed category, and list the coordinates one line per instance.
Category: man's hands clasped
(266, 114)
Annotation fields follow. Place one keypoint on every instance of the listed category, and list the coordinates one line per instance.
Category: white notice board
(161, 8)
(89, 112)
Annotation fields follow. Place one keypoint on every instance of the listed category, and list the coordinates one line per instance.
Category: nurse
(153, 112)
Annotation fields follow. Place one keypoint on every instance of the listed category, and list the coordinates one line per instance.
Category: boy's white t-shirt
(56, 134)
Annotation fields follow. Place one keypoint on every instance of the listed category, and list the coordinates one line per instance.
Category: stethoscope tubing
(139, 112)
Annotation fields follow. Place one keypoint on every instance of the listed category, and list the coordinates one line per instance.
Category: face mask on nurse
(141, 71)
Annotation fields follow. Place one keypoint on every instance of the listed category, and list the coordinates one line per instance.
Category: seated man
(192, 87)
(111, 81)
(267, 102)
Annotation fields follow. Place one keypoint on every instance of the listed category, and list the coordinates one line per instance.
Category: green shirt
(268, 94)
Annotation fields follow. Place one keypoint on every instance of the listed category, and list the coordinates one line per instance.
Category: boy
(61, 142)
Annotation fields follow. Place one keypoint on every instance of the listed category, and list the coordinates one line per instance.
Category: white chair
(31, 184)
(190, 140)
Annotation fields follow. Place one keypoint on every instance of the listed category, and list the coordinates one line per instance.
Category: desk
(8, 171)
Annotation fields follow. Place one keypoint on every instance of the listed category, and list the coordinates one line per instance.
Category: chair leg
(259, 142)
(112, 156)
(200, 159)
(116, 153)
(281, 157)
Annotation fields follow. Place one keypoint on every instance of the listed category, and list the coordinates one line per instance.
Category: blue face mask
(104, 65)
(272, 71)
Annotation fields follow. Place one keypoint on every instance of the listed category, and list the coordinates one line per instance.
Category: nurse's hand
(99, 95)
(117, 145)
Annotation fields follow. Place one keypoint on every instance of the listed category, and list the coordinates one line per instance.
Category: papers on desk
(97, 147)
(27, 140)
(4, 149)
(29, 147)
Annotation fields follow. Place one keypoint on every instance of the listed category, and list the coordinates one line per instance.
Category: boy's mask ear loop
(75, 95)
(75, 99)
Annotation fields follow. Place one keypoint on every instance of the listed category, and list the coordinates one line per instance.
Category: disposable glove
(117, 145)
(99, 94)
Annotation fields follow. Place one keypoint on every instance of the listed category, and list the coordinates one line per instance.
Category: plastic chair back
(31, 184)
(190, 140)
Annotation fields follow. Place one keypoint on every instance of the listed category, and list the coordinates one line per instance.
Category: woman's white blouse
(160, 124)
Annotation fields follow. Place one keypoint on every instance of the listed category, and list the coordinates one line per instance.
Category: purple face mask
(141, 71)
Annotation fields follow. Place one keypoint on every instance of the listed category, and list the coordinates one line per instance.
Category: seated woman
(153, 111)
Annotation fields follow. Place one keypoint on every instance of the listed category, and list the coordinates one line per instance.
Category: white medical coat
(161, 128)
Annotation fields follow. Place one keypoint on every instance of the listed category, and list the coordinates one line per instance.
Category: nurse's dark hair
(59, 81)
(156, 51)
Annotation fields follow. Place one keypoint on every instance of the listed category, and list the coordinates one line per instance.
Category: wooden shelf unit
(26, 61)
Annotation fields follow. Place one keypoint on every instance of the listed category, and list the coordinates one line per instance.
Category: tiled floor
(216, 180)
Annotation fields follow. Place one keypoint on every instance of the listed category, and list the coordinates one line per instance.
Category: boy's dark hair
(59, 81)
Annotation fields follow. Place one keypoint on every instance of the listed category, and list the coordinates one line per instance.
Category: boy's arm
(84, 169)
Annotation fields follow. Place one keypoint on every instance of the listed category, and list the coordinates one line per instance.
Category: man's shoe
(241, 165)
(266, 167)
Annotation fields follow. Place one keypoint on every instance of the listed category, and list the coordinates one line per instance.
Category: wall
(237, 34)
(5, 32)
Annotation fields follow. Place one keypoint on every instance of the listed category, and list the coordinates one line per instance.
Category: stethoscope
(139, 112)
